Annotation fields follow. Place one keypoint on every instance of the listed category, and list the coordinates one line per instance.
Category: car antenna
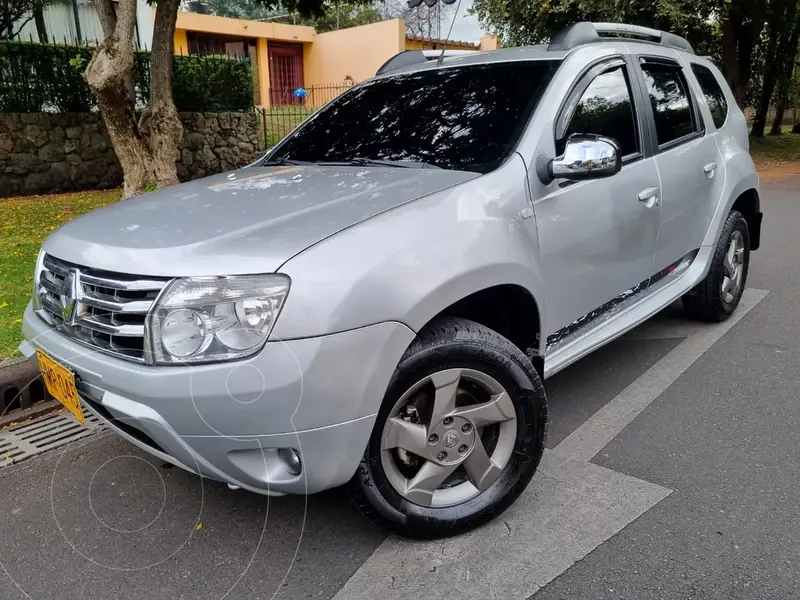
(449, 31)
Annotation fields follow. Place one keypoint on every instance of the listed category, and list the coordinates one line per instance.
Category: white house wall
(59, 21)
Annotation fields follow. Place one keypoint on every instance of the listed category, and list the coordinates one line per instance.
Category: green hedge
(48, 77)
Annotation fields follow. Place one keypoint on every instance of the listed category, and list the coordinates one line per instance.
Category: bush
(205, 83)
(43, 77)
(48, 77)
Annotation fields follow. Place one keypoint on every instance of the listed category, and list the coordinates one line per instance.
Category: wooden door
(285, 72)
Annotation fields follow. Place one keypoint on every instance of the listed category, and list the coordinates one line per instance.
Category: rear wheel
(458, 437)
(718, 295)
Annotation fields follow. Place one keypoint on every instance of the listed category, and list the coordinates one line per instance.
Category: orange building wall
(357, 52)
(242, 27)
(328, 58)
(490, 42)
(181, 43)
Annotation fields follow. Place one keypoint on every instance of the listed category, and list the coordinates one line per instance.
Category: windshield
(466, 118)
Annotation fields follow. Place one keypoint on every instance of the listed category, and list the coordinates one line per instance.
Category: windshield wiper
(281, 161)
(359, 161)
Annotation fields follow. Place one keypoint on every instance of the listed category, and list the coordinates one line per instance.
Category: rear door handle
(710, 169)
(649, 197)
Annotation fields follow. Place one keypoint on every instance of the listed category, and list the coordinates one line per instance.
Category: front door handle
(710, 169)
(649, 197)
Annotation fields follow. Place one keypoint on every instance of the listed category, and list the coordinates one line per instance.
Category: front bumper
(225, 421)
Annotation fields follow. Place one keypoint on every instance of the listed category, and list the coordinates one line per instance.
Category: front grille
(109, 311)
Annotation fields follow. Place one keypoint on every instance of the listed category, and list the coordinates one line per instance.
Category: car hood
(247, 221)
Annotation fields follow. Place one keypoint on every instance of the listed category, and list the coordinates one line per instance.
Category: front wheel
(718, 295)
(458, 437)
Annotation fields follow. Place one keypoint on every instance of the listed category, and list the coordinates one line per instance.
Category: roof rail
(582, 33)
(413, 57)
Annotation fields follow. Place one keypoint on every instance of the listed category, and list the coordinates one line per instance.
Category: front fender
(412, 262)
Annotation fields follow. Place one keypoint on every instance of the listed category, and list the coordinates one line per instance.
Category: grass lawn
(280, 120)
(24, 223)
(776, 149)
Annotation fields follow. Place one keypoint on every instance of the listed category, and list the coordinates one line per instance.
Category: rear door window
(672, 107)
(713, 93)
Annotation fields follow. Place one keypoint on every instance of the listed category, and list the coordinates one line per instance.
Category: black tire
(706, 302)
(456, 343)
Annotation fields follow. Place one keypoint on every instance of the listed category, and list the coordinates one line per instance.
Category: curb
(22, 392)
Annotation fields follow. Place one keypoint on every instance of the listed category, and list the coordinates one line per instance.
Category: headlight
(37, 275)
(202, 319)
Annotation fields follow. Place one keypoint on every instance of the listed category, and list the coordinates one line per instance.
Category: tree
(533, 21)
(783, 33)
(422, 20)
(741, 24)
(15, 14)
(242, 9)
(146, 145)
(728, 30)
(338, 15)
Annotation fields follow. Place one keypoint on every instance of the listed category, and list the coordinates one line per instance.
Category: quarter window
(606, 108)
(669, 96)
(713, 93)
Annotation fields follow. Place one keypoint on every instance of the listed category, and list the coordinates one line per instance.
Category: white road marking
(602, 427)
(571, 507)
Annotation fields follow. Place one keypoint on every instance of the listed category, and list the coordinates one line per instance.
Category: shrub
(48, 78)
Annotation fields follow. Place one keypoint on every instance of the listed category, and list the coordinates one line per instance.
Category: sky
(466, 27)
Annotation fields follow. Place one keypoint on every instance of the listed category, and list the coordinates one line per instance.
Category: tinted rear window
(467, 118)
(713, 93)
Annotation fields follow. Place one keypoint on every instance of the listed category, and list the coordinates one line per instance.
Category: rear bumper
(226, 421)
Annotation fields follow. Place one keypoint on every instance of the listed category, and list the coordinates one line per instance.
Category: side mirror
(586, 156)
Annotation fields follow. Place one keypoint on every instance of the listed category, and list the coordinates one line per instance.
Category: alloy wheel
(734, 268)
(448, 438)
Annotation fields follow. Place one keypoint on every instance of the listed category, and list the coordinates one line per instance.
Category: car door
(688, 159)
(597, 238)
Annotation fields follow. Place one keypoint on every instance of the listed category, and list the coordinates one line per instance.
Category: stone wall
(217, 142)
(49, 152)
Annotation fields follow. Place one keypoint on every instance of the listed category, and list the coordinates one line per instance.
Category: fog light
(291, 460)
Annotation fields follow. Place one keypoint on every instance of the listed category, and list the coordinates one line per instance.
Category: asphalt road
(695, 498)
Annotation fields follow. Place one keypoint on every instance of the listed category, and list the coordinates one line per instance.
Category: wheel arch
(749, 204)
(508, 309)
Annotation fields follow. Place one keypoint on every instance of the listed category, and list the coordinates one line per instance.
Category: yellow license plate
(60, 382)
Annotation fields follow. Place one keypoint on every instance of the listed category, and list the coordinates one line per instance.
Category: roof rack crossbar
(582, 33)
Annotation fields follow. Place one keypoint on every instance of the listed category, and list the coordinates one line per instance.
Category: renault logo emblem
(70, 294)
(450, 439)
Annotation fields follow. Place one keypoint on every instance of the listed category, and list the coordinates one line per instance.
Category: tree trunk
(742, 25)
(789, 54)
(772, 72)
(780, 57)
(777, 122)
(146, 149)
(730, 58)
(41, 29)
(160, 119)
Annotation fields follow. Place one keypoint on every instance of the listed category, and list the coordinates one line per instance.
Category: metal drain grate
(43, 434)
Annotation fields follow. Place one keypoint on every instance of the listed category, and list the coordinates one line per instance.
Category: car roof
(578, 36)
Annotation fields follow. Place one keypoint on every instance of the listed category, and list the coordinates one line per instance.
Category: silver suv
(377, 301)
